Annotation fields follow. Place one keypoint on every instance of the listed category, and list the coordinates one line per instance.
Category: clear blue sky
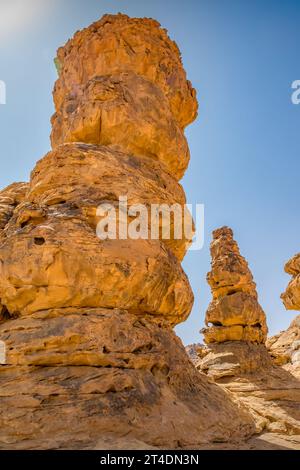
(242, 58)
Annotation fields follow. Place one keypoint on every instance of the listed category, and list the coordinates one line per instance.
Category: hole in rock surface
(215, 323)
(231, 292)
(39, 240)
(4, 315)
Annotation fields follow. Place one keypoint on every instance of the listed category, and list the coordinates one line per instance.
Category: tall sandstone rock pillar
(88, 350)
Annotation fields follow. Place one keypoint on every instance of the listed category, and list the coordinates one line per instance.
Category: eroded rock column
(236, 327)
(98, 314)
(236, 356)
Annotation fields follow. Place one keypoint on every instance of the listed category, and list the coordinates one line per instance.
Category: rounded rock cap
(222, 232)
(118, 43)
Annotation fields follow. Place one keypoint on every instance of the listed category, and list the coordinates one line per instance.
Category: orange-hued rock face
(234, 314)
(10, 197)
(86, 322)
(271, 392)
(64, 264)
(122, 101)
(75, 376)
(127, 112)
(291, 297)
(87, 350)
(284, 348)
(85, 176)
(117, 44)
(261, 374)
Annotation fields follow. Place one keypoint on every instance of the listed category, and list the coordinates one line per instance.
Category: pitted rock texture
(291, 297)
(234, 314)
(65, 264)
(85, 176)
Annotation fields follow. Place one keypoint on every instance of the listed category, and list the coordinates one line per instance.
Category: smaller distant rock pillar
(234, 313)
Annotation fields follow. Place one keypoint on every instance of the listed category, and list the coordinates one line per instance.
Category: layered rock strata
(88, 351)
(77, 376)
(269, 391)
(10, 198)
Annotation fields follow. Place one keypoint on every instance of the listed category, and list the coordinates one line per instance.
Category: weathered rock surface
(87, 351)
(270, 392)
(85, 176)
(291, 297)
(96, 372)
(284, 348)
(236, 357)
(125, 112)
(234, 313)
(272, 395)
(10, 197)
(64, 264)
(233, 358)
(134, 97)
(88, 357)
(117, 44)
